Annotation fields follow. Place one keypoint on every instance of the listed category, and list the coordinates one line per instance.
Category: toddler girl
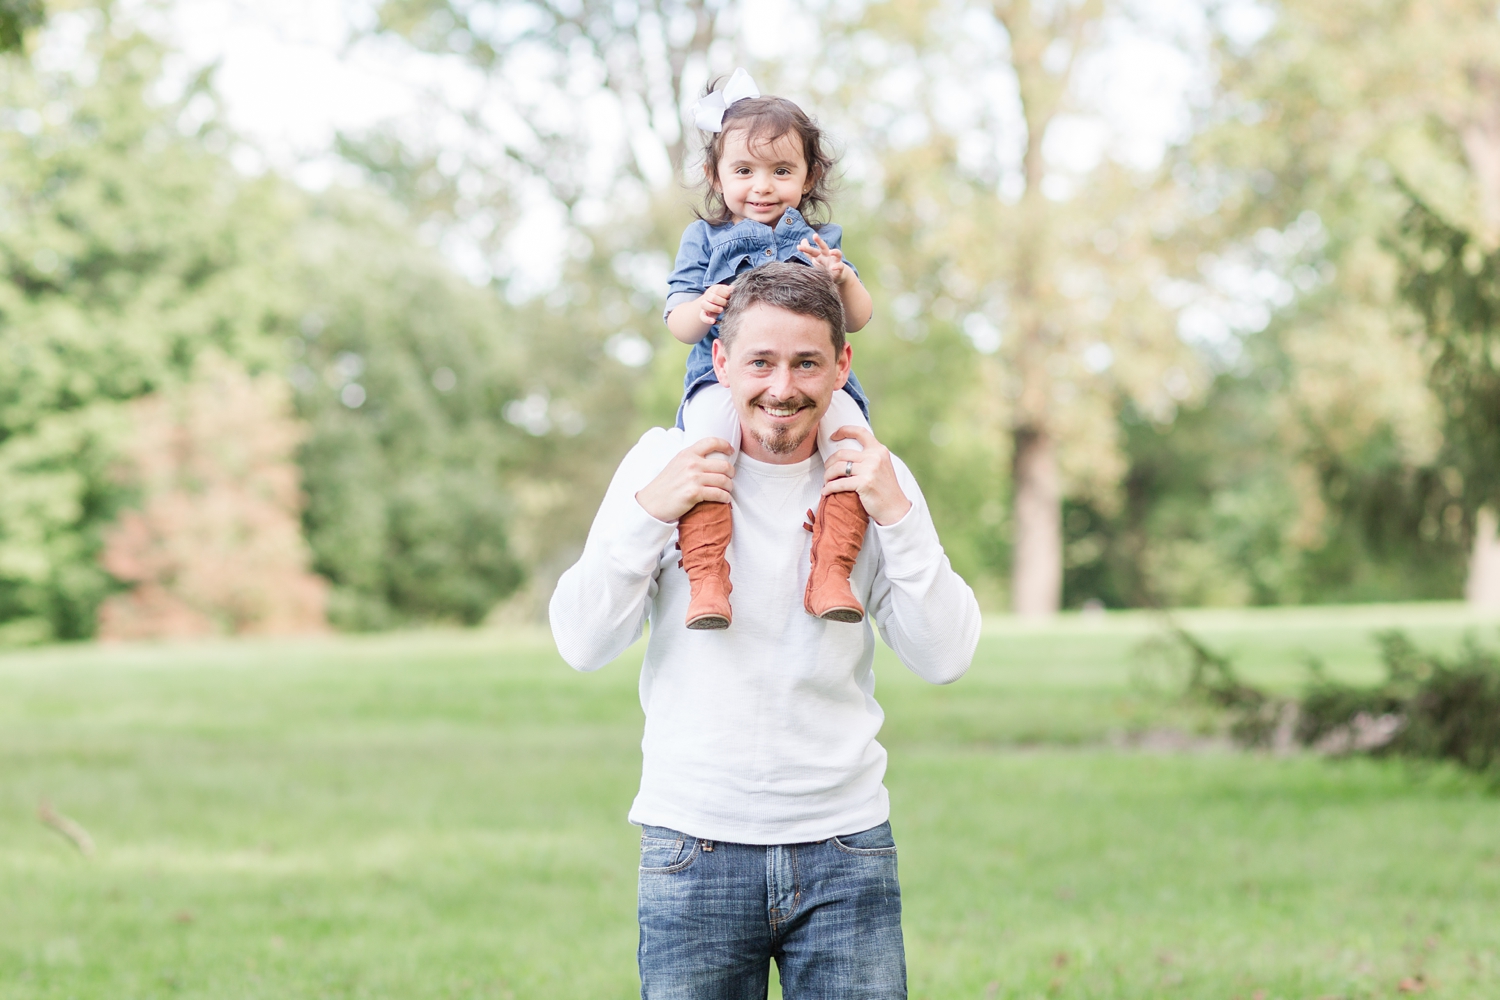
(766, 169)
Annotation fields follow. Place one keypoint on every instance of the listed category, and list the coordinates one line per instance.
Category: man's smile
(783, 409)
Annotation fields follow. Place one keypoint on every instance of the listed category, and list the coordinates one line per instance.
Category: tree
(1351, 114)
(129, 249)
(216, 546)
(562, 70)
(132, 246)
(16, 18)
(1052, 272)
(403, 371)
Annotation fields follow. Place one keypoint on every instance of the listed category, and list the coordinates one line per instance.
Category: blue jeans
(714, 915)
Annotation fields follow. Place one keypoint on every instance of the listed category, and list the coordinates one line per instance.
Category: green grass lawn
(442, 815)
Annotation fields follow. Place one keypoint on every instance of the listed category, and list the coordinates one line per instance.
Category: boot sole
(711, 622)
(849, 615)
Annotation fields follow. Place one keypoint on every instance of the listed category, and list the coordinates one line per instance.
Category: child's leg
(839, 527)
(842, 411)
(711, 413)
(704, 532)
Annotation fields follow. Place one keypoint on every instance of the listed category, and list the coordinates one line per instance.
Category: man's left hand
(871, 474)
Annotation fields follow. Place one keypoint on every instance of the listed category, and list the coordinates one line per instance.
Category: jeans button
(768, 251)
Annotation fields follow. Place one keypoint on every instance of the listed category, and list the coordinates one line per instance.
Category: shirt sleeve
(601, 603)
(690, 273)
(833, 235)
(924, 610)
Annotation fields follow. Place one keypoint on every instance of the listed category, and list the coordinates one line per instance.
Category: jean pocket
(666, 851)
(872, 843)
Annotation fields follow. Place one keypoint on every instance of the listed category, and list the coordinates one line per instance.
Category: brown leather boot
(838, 533)
(703, 535)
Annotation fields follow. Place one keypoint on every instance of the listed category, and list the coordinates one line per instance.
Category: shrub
(1429, 706)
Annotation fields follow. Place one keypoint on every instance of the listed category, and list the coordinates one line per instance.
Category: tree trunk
(1481, 142)
(1480, 136)
(1482, 590)
(1036, 560)
(1034, 29)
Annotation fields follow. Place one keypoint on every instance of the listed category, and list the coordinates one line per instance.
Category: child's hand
(827, 258)
(712, 302)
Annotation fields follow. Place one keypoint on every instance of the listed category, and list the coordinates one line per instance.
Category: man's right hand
(697, 473)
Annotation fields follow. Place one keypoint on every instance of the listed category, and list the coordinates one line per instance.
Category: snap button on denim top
(716, 255)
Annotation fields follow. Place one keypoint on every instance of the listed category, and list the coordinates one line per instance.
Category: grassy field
(442, 815)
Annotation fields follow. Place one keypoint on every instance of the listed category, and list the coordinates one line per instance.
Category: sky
(293, 73)
(289, 78)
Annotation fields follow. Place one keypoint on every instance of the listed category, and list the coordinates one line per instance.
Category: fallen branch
(67, 827)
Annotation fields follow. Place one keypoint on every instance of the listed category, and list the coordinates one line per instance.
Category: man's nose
(782, 383)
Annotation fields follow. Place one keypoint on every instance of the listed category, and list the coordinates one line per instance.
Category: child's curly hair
(766, 119)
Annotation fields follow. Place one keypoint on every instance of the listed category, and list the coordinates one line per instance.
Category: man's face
(781, 371)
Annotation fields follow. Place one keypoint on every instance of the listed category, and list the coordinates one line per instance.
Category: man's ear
(845, 364)
(721, 360)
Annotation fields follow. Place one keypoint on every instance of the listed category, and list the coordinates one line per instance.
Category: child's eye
(783, 172)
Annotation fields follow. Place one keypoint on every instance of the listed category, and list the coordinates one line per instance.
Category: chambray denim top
(716, 255)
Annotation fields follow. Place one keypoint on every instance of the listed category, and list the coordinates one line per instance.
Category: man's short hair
(797, 288)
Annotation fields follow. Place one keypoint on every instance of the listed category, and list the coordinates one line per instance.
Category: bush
(1428, 707)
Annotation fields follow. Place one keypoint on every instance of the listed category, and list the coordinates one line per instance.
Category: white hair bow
(708, 113)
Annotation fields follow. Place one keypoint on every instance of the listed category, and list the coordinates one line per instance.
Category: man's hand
(697, 473)
(871, 474)
(827, 258)
(712, 302)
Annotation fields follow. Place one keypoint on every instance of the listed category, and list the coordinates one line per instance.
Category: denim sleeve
(833, 235)
(689, 274)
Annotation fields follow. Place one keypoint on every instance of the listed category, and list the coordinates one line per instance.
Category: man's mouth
(781, 423)
(783, 409)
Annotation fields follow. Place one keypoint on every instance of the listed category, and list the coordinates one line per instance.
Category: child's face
(760, 180)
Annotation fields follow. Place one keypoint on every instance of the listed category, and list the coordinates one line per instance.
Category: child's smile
(760, 180)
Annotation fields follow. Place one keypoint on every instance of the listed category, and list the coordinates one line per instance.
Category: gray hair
(797, 288)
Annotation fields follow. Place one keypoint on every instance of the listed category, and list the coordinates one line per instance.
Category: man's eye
(809, 364)
(758, 364)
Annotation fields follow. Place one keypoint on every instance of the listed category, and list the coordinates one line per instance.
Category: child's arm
(691, 321)
(857, 304)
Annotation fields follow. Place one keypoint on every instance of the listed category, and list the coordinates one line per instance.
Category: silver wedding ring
(848, 468)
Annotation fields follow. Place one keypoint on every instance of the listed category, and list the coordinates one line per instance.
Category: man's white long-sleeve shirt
(763, 733)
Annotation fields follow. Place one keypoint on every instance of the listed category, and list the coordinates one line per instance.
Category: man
(764, 816)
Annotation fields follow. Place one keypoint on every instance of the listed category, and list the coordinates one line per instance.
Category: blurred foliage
(1453, 279)
(1331, 219)
(131, 247)
(1429, 706)
(401, 370)
(17, 17)
(111, 290)
(1324, 463)
(216, 547)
